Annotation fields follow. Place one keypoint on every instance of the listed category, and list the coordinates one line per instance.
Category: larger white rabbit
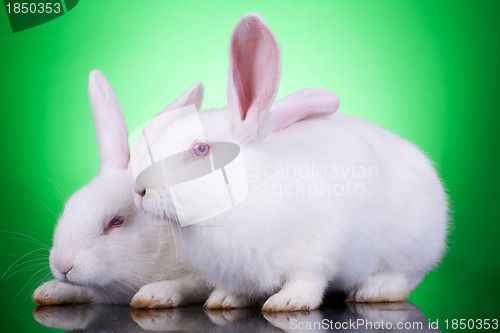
(334, 203)
(105, 250)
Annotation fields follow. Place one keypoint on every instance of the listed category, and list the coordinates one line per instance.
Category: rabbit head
(251, 115)
(102, 239)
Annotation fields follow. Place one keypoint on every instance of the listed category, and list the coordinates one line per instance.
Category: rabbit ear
(112, 136)
(193, 95)
(254, 71)
(301, 105)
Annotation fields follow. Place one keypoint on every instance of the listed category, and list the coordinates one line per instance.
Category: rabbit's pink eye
(114, 223)
(201, 149)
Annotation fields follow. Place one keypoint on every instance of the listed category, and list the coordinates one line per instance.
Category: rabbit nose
(66, 271)
(140, 191)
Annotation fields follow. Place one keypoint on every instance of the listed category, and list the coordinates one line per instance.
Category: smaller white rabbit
(105, 250)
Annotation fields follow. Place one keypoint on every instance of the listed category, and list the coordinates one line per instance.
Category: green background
(426, 70)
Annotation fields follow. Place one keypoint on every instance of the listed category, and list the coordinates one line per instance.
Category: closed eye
(115, 222)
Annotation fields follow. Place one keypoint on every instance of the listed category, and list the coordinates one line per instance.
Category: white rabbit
(105, 250)
(334, 202)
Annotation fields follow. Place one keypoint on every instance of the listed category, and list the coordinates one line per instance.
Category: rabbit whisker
(57, 186)
(15, 262)
(26, 284)
(24, 269)
(30, 238)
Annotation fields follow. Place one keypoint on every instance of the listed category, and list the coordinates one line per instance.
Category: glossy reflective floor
(386, 317)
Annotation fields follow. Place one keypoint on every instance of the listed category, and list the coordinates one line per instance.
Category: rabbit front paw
(299, 293)
(162, 294)
(55, 292)
(287, 300)
(223, 299)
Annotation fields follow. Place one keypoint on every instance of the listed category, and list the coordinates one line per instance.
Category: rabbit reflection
(107, 318)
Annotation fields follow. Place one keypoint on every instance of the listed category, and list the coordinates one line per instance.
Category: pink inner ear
(240, 92)
(255, 67)
(301, 105)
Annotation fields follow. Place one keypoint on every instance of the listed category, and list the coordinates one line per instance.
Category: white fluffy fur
(140, 261)
(291, 247)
